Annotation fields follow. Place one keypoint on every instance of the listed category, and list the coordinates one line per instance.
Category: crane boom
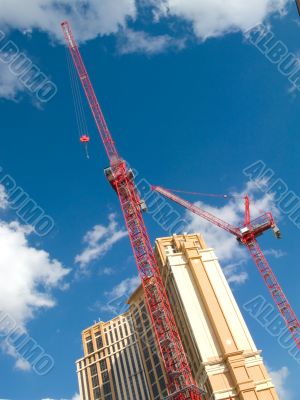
(199, 211)
(90, 94)
(246, 235)
(181, 385)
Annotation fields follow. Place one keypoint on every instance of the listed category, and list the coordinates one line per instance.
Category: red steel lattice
(181, 385)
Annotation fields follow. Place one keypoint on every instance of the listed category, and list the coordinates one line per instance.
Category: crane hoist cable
(76, 90)
(224, 196)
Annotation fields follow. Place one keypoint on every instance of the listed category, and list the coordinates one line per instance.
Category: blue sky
(191, 103)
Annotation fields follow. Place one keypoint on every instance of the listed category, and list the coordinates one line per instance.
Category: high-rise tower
(221, 352)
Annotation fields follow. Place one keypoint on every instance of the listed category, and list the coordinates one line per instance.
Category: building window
(126, 329)
(95, 381)
(162, 384)
(99, 342)
(155, 390)
(103, 365)
(90, 347)
(97, 393)
(93, 370)
(159, 371)
(105, 376)
(106, 388)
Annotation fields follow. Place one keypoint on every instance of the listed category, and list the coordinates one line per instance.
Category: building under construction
(121, 357)
(203, 345)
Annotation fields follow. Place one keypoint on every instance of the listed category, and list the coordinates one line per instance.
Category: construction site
(149, 200)
(183, 336)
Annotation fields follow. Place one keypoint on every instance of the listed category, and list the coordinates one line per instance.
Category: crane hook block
(84, 139)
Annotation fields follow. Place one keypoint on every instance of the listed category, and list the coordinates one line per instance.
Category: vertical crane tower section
(247, 234)
(181, 385)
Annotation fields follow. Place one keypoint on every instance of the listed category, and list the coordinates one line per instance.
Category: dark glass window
(155, 389)
(126, 329)
(105, 376)
(93, 370)
(106, 388)
(152, 378)
(95, 381)
(149, 365)
(99, 342)
(90, 347)
(162, 384)
(97, 393)
(103, 365)
(159, 371)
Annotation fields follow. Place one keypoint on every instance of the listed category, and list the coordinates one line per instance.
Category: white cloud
(27, 277)
(10, 86)
(279, 379)
(212, 18)
(131, 41)
(3, 195)
(209, 18)
(75, 397)
(125, 288)
(106, 271)
(28, 274)
(226, 246)
(275, 253)
(89, 18)
(99, 240)
(116, 299)
(234, 273)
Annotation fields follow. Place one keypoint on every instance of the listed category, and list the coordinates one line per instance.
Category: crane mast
(181, 385)
(247, 234)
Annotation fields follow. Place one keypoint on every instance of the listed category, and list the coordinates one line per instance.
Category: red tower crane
(181, 385)
(247, 234)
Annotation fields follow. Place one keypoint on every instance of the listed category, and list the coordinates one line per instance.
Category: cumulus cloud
(10, 86)
(227, 248)
(89, 18)
(125, 288)
(28, 274)
(279, 378)
(130, 41)
(212, 18)
(75, 397)
(116, 299)
(27, 277)
(209, 18)
(99, 240)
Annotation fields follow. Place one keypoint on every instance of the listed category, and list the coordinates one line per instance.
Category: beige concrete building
(111, 368)
(222, 354)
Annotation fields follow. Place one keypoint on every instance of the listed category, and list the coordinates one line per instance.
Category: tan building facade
(111, 368)
(221, 351)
